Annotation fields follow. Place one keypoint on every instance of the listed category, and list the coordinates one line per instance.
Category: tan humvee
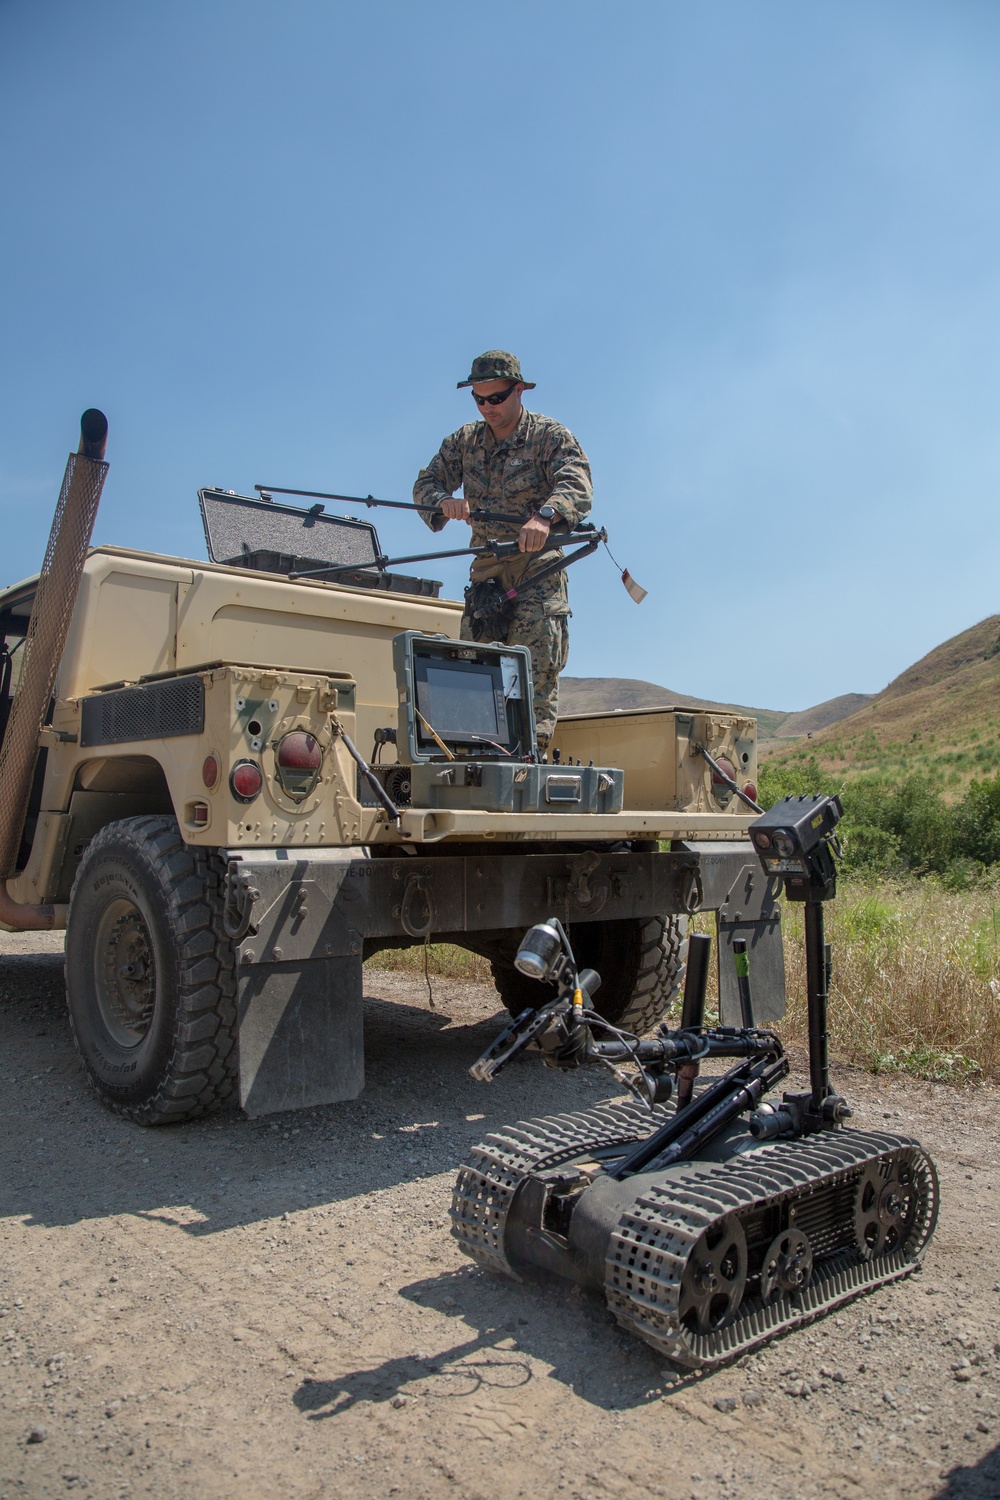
(203, 829)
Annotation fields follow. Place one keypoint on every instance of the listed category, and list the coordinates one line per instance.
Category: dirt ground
(275, 1307)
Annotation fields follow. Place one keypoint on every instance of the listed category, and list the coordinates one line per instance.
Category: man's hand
(534, 534)
(455, 509)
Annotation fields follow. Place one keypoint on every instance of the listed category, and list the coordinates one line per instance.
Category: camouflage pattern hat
(496, 364)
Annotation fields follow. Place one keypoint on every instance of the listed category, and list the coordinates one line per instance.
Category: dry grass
(916, 977)
(444, 961)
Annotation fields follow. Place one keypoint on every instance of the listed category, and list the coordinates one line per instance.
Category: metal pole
(742, 961)
(817, 996)
(267, 490)
(55, 600)
(494, 549)
(693, 1009)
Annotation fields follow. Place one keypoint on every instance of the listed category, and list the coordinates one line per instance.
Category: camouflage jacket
(539, 463)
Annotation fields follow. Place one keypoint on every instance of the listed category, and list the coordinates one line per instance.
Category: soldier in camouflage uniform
(531, 475)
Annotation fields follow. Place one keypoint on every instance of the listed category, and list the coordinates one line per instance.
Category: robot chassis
(734, 1218)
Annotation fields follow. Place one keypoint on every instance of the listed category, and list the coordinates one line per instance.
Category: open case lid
(237, 528)
(475, 697)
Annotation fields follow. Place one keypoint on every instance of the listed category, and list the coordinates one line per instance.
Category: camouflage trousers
(547, 638)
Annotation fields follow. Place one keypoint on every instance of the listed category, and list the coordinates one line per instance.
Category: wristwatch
(545, 513)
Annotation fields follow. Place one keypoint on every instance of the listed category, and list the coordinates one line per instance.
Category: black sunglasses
(497, 400)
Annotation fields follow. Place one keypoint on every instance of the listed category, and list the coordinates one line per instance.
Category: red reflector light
(246, 780)
(725, 766)
(200, 812)
(298, 751)
(750, 791)
(210, 770)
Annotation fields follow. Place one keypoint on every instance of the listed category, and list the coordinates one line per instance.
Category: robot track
(713, 1258)
(485, 1187)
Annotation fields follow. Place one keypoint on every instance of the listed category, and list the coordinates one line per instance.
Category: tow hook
(238, 899)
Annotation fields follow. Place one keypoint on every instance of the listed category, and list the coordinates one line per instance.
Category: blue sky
(748, 252)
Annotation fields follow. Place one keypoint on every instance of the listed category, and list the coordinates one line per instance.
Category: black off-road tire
(641, 962)
(150, 974)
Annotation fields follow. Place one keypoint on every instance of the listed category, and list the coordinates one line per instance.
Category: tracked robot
(711, 1216)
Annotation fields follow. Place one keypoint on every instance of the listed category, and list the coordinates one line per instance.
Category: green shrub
(869, 850)
(902, 825)
(977, 822)
(777, 781)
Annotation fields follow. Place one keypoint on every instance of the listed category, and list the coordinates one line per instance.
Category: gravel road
(243, 1308)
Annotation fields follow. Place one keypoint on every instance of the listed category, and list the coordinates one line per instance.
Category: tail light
(298, 760)
(750, 790)
(245, 780)
(725, 766)
(298, 751)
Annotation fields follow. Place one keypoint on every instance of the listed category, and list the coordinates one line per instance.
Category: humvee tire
(641, 962)
(150, 974)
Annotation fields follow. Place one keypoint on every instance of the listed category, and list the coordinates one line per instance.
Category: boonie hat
(496, 364)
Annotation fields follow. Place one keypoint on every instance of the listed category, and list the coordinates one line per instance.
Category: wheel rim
(124, 972)
(715, 1277)
(787, 1266)
(885, 1206)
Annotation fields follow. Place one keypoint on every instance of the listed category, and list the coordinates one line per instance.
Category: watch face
(546, 512)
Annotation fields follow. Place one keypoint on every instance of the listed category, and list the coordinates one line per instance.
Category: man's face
(503, 417)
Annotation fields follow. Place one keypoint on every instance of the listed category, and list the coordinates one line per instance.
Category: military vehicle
(711, 1218)
(234, 780)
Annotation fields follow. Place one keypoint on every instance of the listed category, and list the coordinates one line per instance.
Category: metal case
(509, 786)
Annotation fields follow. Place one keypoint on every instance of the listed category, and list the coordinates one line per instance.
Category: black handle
(696, 982)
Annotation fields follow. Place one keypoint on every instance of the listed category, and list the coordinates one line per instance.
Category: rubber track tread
(486, 1185)
(649, 1249)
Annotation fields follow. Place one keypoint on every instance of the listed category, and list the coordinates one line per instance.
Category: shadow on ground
(979, 1481)
(513, 1327)
(66, 1158)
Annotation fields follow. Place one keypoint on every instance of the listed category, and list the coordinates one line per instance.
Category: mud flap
(734, 886)
(301, 1033)
(767, 969)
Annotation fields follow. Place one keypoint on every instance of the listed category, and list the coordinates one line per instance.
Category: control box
(461, 700)
(466, 734)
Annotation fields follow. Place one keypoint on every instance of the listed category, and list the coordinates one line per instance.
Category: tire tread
(200, 1075)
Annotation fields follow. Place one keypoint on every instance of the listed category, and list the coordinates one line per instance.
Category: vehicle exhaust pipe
(48, 627)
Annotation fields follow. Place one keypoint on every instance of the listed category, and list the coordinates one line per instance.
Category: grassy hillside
(941, 717)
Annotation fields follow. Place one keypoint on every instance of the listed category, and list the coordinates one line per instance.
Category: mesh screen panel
(55, 601)
(151, 711)
(237, 527)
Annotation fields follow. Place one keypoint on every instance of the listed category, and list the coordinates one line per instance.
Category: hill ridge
(606, 694)
(940, 716)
